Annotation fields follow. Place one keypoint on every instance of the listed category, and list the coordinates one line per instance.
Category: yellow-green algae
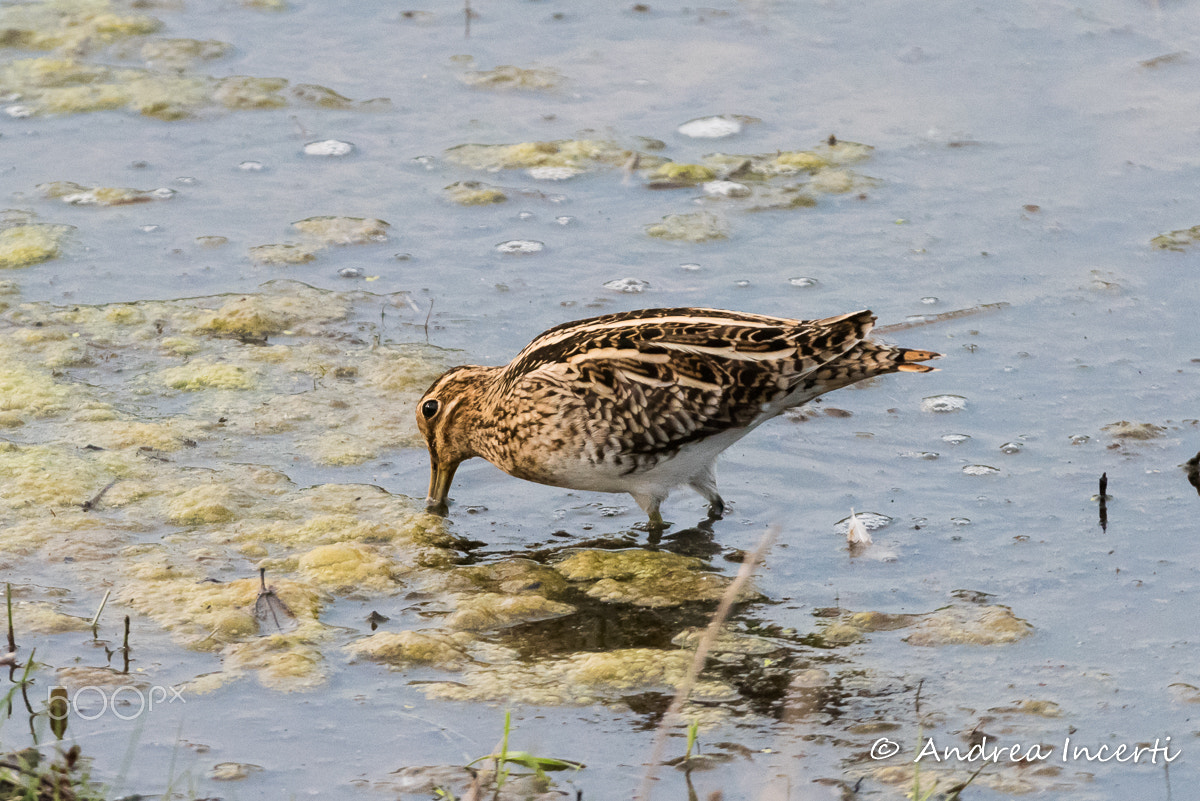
(684, 174)
(203, 374)
(1125, 430)
(66, 84)
(475, 193)
(44, 476)
(580, 154)
(76, 26)
(329, 230)
(951, 625)
(320, 233)
(645, 578)
(508, 76)
(789, 162)
(488, 610)
(697, 226)
(969, 625)
(39, 617)
(181, 53)
(23, 245)
(510, 577)
(79, 195)
(348, 566)
(1177, 240)
(402, 649)
(286, 253)
(578, 679)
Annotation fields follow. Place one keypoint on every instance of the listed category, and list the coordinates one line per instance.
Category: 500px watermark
(1141, 753)
(125, 702)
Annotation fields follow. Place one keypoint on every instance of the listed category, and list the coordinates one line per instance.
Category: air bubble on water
(955, 439)
(1079, 439)
(564, 220)
(1011, 447)
(252, 166)
(328, 147)
(350, 272)
(929, 300)
(980, 470)
(520, 246)
(689, 267)
(525, 215)
(742, 283)
(943, 403)
(710, 127)
(961, 521)
(803, 282)
(631, 286)
(927, 456)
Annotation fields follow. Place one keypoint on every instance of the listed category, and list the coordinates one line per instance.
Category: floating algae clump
(320, 233)
(576, 153)
(343, 230)
(1177, 240)
(510, 576)
(578, 679)
(30, 392)
(475, 193)
(45, 475)
(347, 566)
(489, 610)
(684, 174)
(201, 374)
(79, 195)
(69, 26)
(22, 245)
(408, 648)
(38, 617)
(645, 578)
(281, 254)
(699, 226)
(510, 77)
(1124, 429)
(207, 503)
(63, 84)
(969, 625)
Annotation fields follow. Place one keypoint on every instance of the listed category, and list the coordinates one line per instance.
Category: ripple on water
(943, 403)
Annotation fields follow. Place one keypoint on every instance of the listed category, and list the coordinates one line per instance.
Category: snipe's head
(445, 416)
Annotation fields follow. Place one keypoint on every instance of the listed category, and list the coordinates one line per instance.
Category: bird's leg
(705, 483)
(650, 504)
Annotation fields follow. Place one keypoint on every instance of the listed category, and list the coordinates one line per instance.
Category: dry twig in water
(702, 648)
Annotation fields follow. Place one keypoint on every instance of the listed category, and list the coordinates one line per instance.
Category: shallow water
(1023, 154)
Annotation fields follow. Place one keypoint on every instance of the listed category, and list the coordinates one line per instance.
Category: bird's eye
(430, 407)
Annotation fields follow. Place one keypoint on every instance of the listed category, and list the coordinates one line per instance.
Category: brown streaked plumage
(643, 401)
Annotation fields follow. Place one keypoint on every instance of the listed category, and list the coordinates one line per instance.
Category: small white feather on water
(856, 532)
